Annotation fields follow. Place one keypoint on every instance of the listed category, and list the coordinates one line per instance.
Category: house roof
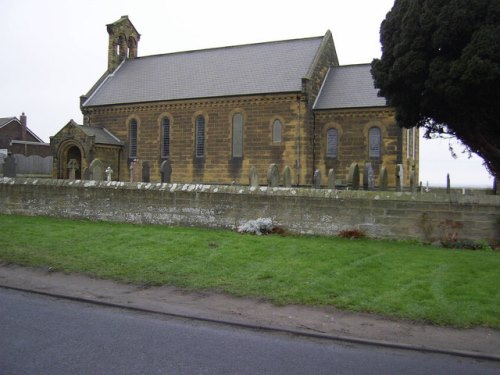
(349, 86)
(272, 67)
(7, 120)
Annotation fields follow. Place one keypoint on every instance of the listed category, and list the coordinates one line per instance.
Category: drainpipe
(297, 142)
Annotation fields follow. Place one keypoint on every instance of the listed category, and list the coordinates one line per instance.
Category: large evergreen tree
(440, 70)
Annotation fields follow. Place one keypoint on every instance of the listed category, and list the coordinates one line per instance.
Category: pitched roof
(271, 67)
(349, 86)
(5, 120)
(102, 135)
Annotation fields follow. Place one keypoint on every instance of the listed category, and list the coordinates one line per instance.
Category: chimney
(23, 126)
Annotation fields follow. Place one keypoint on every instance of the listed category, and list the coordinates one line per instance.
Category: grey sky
(53, 51)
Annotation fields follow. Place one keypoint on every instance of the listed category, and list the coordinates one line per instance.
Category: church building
(209, 116)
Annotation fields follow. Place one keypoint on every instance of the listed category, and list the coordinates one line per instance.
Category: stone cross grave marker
(73, 166)
(109, 174)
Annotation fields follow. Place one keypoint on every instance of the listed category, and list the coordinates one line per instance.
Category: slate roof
(102, 135)
(349, 86)
(6, 120)
(271, 67)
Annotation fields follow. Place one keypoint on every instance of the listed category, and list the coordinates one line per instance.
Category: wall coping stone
(452, 198)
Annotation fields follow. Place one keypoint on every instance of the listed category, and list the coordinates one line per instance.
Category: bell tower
(123, 41)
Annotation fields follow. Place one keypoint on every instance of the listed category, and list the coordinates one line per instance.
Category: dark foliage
(440, 70)
(352, 234)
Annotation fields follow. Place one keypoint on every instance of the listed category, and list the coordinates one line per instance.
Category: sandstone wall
(423, 216)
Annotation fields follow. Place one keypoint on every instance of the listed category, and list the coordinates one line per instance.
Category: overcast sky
(53, 51)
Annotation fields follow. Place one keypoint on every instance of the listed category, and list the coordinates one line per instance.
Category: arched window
(237, 135)
(374, 143)
(277, 130)
(200, 137)
(331, 143)
(132, 137)
(165, 137)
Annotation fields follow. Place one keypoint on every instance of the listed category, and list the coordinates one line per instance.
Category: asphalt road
(44, 335)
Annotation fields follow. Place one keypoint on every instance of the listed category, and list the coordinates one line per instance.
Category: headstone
(331, 179)
(166, 172)
(287, 177)
(109, 174)
(145, 171)
(317, 179)
(399, 177)
(273, 176)
(73, 166)
(96, 169)
(448, 183)
(383, 181)
(368, 177)
(413, 182)
(353, 177)
(253, 177)
(9, 166)
(132, 168)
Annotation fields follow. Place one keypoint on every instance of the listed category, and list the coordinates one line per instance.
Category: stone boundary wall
(426, 217)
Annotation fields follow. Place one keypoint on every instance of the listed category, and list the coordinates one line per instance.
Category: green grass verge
(398, 279)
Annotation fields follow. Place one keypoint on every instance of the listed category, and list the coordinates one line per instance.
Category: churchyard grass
(395, 278)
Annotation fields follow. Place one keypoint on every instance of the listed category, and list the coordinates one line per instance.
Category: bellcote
(123, 41)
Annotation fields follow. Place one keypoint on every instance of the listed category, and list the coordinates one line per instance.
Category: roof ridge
(228, 47)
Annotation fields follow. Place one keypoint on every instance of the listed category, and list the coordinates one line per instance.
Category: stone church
(208, 116)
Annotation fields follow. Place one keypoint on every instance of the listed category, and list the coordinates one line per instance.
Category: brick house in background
(208, 116)
(17, 138)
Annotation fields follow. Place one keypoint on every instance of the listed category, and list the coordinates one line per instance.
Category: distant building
(208, 116)
(17, 138)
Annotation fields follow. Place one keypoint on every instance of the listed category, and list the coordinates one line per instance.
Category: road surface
(44, 335)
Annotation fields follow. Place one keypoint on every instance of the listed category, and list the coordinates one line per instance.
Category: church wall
(352, 129)
(218, 165)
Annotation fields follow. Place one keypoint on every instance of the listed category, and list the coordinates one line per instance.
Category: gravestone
(73, 166)
(96, 169)
(145, 171)
(383, 181)
(109, 174)
(166, 172)
(317, 179)
(9, 166)
(413, 182)
(273, 176)
(353, 177)
(287, 177)
(331, 179)
(253, 177)
(400, 174)
(368, 177)
(133, 170)
(448, 183)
